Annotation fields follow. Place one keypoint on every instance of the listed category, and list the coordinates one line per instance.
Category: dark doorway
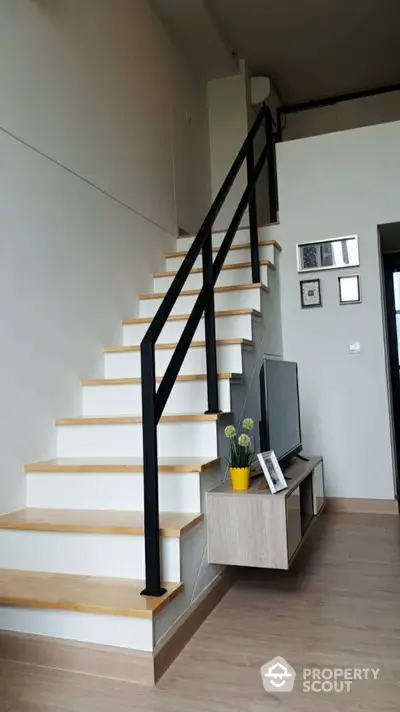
(391, 269)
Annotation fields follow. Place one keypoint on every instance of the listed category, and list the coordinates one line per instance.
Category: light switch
(355, 347)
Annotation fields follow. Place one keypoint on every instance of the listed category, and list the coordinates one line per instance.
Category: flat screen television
(280, 428)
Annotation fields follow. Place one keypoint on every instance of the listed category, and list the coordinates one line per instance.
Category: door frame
(391, 264)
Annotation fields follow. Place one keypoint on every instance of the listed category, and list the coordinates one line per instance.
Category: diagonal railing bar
(154, 401)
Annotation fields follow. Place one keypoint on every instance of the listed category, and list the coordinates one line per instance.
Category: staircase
(72, 564)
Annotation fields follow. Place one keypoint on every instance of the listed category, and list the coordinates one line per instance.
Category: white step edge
(267, 232)
(249, 298)
(126, 363)
(226, 327)
(178, 492)
(114, 631)
(86, 554)
(188, 439)
(113, 398)
(237, 256)
(227, 278)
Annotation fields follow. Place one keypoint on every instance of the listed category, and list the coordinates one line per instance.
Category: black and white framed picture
(349, 289)
(272, 471)
(335, 253)
(310, 293)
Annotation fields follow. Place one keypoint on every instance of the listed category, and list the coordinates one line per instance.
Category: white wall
(191, 145)
(229, 126)
(97, 87)
(343, 116)
(333, 185)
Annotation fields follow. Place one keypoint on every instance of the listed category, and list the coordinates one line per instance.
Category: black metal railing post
(253, 220)
(271, 163)
(150, 474)
(209, 323)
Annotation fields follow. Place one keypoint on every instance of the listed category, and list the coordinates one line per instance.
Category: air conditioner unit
(264, 92)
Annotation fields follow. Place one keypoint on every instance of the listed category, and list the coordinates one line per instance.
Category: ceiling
(316, 48)
(198, 34)
(310, 48)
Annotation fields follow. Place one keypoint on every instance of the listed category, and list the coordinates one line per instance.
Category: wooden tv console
(257, 528)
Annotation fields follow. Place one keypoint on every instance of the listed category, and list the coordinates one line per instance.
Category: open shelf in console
(307, 513)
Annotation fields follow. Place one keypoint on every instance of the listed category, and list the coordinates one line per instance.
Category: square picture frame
(272, 471)
(310, 293)
(349, 289)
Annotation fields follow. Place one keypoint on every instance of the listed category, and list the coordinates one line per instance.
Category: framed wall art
(310, 293)
(349, 289)
(328, 254)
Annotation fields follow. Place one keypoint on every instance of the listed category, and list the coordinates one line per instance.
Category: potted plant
(240, 455)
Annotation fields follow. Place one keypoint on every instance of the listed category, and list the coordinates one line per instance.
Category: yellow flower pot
(240, 478)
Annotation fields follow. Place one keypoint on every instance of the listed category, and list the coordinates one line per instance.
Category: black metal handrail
(153, 402)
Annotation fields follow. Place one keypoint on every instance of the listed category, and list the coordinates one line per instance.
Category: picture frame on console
(272, 471)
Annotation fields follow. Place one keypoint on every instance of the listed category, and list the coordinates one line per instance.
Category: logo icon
(278, 676)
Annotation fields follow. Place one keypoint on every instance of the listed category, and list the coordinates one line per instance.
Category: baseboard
(186, 626)
(361, 506)
(71, 656)
(114, 663)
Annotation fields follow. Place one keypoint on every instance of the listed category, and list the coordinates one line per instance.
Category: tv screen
(280, 429)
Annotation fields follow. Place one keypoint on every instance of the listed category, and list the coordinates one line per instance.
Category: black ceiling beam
(329, 101)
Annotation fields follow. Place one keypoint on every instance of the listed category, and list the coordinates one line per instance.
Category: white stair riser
(227, 278)
(237, 299)
(113, 555)
(186, 439)
(115, 631)
(234, 257)
(243, 235)
(127, 364)
(178, 492)
(227, 327)
(127, 399)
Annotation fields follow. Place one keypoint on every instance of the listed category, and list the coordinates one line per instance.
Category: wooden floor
(339, 607)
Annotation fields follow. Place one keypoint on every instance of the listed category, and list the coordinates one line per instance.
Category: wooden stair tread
(96, 521)
(133, 419)
(136, 381)
(86, 594)
(168, 347)
(240, 246)
(185, 317)
(199, 270)
(217, 290)
(121, 465)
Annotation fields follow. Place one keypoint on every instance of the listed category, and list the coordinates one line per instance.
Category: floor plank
(339, 606)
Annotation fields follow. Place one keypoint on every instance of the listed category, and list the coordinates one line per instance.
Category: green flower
(230, 431)
(248, 424)
(244, 440)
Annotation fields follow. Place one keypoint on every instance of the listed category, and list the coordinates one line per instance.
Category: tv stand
(302, 458)
(261, 529)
